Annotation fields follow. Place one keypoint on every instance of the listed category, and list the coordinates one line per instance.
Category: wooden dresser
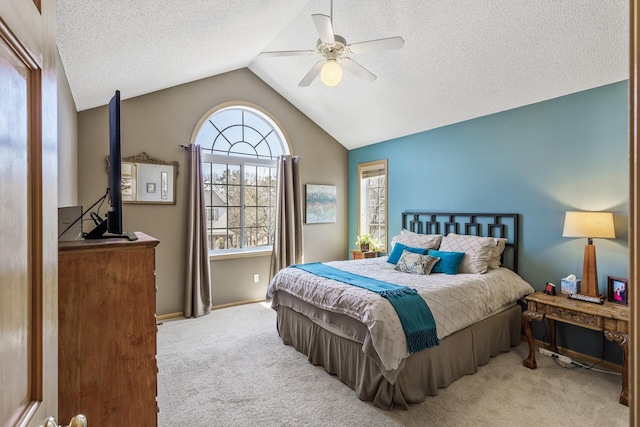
(107, 331)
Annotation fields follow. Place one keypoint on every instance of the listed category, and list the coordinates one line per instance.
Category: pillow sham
(396, 252)
(414, 263)
(478, 251)
(449, 261)
(415, 240)
(494, 261)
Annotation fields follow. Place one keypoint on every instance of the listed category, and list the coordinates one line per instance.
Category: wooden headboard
(476, 224)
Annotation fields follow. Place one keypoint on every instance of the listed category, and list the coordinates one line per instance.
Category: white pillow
(415, 240)
(494, 261)
(478, 251)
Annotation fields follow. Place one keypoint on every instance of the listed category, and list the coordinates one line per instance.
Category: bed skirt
(424, 372)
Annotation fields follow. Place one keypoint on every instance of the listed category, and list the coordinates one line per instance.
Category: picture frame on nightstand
(617, 290)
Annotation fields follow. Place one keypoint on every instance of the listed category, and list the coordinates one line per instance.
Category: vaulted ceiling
(461, 59)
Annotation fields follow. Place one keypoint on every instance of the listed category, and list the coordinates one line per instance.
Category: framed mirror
(147, 180)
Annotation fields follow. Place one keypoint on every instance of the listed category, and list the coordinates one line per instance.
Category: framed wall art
(320, 206)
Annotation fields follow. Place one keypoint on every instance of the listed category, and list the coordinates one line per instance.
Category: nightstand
(609, 318)
(357, 254)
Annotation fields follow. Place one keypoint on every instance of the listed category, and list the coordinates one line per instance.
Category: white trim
(237, 160)
(253, 251)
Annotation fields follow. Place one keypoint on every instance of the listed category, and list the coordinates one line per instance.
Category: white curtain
(287, 242)
(197, 283)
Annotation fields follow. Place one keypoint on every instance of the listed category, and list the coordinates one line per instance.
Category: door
(28, 212)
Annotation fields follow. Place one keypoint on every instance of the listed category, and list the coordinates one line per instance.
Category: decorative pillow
(494, 261)
(449, 261)
(415, 240)
(478, 251)
(396, 252)
(413, 263)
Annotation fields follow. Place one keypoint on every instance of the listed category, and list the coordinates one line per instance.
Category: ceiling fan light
(331, 73)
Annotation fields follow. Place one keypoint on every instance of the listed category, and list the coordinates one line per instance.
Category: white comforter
(456, 301)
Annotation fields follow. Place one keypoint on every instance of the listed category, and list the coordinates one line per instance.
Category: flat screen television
(112, 226)
(114, 215)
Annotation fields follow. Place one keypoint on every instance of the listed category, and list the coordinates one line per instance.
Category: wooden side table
(357, 254)
(612, 319)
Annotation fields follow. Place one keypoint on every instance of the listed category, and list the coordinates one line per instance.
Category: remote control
(587, 298)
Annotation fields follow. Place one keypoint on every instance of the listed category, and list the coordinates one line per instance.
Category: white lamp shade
(331, 73)
(589, 224)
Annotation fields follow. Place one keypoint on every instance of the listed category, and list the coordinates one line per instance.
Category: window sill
(240, 253)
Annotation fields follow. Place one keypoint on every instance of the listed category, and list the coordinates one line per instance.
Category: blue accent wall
(567, 153)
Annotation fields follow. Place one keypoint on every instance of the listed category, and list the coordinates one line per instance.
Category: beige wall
(157, 123)
(67, 142)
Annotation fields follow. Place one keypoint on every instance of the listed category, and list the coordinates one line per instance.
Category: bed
(357, 334)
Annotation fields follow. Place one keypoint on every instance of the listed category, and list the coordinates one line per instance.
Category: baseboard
(164, 317)
(589, 359)
(233, 304)
(169, 316)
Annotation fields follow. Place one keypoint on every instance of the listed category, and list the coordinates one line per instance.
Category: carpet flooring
(230, 368)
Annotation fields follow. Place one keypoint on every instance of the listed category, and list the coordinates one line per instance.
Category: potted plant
(367, 243)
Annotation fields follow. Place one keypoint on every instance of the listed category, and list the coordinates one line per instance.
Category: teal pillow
(396, 252)
(449, 261)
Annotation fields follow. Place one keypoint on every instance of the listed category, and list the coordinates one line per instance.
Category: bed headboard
(476, 224)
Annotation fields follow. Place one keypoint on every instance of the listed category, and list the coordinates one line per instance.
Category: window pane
(265, 237)
(250, 237)
(233, 174)
(231, 134)
(264, 217)
(257, 123)
(265, 197)
(206, 136)
(233, 195)
(250, 216)
(242, 149)
(250, 196)
(250, 173)
(273, 140)
(233, 240)
(233, 217)
(264, 150)
(216, 173)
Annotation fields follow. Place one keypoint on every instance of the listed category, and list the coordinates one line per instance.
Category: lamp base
(589, 284)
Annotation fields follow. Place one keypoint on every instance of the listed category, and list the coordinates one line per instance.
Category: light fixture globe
(331, 73)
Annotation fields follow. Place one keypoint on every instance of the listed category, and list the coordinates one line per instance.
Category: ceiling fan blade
(312, 74)
(357, 70)
(374, 45)
(324, 27)
(289, 53)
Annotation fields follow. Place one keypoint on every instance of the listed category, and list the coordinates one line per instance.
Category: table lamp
(590, 225)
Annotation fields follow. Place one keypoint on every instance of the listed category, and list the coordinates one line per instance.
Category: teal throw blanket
(414, 313)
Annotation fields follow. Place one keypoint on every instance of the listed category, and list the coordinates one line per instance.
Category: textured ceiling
(462, 58)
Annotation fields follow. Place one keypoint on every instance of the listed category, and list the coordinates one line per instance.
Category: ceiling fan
(333, 47)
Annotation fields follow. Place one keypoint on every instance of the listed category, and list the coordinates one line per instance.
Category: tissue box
(570, 286)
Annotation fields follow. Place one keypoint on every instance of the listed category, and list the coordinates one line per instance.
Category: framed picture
(617, 290)
(320, 203)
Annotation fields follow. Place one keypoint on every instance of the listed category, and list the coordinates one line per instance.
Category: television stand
(131, 235)
(100, 232)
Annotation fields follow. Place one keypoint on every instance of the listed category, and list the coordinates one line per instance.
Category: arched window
(240, 145)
